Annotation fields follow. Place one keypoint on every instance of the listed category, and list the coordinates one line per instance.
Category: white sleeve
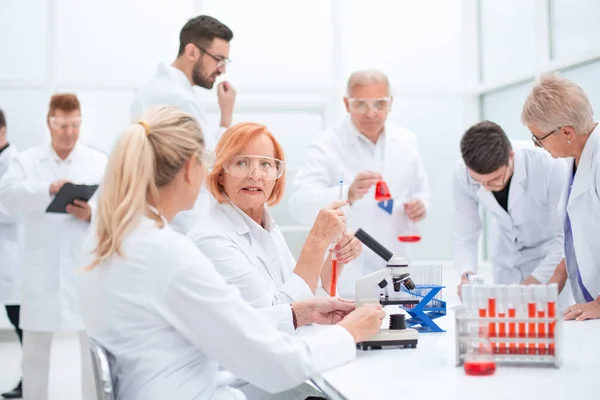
(556, 179)
(314, 188)
(239, 338)
(466, 224)
(231, 263)
(19, 194)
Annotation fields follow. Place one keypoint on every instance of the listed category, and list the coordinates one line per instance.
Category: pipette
(334, 261)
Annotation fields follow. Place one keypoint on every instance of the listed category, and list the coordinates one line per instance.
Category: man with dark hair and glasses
(520, 189)
(203, 55)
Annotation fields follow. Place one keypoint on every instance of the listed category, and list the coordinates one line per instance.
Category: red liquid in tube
(531, 328)
(551, 314)
(512, 313)
(333, 284)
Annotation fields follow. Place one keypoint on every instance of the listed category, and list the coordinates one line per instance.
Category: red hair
(231, 144)
(63, 101)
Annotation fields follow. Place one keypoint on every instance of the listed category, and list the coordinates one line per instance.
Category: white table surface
(429, 371)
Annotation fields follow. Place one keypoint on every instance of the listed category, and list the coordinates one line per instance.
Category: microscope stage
(391, 338)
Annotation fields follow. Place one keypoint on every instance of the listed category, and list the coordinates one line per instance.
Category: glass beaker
(408, 231)
(382, 192)
(479, 358)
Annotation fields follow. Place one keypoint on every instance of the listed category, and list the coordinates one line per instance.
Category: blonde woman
(161, 309)
(561, 120)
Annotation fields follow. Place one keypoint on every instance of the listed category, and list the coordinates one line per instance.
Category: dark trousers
(13, 316)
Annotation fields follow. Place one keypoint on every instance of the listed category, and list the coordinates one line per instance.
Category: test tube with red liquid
(501, 294)
(491, 313)
(481, 299)
(531, 314)
(551, 297)
(514, 301)
(540, 294)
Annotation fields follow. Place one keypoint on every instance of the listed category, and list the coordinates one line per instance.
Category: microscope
(397, 270)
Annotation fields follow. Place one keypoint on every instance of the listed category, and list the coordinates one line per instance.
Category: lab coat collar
(516, 191)
(519, 179)
(242, 221)
(176, 75)
(48, 153)
(355, 135)
(583, 177)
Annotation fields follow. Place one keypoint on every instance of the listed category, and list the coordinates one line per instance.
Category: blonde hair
(366, 77)
(231, 143)
(557, 102)
(148, 156)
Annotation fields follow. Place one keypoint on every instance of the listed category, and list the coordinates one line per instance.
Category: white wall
(290, 62)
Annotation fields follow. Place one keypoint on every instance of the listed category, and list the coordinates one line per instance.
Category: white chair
(102, 372)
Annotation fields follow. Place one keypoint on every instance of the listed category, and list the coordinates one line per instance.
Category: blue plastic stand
(427, 310)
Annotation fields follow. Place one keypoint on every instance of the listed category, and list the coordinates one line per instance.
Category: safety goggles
(244, 166)
(362, 106)
(65, 123)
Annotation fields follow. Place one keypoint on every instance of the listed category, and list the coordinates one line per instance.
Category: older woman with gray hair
(560, 117)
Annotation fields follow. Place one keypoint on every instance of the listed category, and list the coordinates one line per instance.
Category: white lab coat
(52, 242)
(11, 244)
(255, 260)
(337, 152)
(583, 207)
(170, 321)
(526, 240)
(171, 87)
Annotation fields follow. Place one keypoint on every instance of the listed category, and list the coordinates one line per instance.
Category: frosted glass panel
(507, 38)
(575, 26)
(23, 32)
(504, 108)
(105, 113)
(437, 123)
(414, 42)
(25, 112)
(276, 42)
(588, 77)
(295, 131)
(116, 42)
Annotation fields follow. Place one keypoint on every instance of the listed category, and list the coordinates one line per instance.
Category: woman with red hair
(244, 242)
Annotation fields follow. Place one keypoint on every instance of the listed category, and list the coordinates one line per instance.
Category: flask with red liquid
(408, 231)
(382, 192)
(479, 358)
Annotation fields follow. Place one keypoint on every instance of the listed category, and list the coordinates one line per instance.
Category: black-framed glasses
(538, 141)
(496, 182)
(221, 61)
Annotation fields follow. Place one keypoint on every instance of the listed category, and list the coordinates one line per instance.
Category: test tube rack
(534, 351)
(428, 308)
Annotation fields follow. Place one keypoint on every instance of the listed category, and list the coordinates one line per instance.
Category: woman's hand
(330, 223)
(581, 312)
(347, 248)
(322, 310)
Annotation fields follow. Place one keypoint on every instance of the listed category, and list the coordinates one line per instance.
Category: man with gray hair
(364, 150)
(561, 120)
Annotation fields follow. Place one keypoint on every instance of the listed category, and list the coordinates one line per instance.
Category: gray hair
(555, 102)
(366, 77)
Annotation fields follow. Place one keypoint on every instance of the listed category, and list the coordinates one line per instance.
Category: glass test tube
(513, 300)
(531, 314)
(522, 313)
(501, 309)
(551, 297)
(540, 294)
(480, 296)
(467, 292)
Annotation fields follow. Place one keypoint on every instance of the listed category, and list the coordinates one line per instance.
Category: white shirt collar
(176, 75)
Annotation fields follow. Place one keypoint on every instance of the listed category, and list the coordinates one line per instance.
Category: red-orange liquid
(492, 314)
(502, 333)
(531, 328)
(480, 368)
(333, 283)
(541, 333)
(551, 314)
(409, 238)
(382, 193)
(512, 347)
(482, 312)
